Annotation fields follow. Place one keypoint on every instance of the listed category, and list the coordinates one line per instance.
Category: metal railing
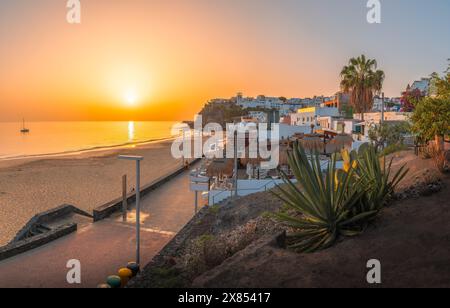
(262, 188)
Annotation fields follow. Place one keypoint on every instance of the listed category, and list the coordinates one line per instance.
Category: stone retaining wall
(106, 210)
(25, 245)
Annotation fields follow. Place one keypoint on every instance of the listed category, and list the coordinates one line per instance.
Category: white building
(287, 131)
(375, 117)
(316, 101)
(295, 102)
(338, 125)
(260, 116)
(259, 102)
(288, 108)
(422, 85)
(378, 103)
(309, 116)
(390, 104)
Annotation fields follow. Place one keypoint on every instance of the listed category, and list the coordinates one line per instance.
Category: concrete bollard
(134, 267)
(125, 275)
(114, 282)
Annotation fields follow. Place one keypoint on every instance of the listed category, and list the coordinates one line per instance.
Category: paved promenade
(104, 247)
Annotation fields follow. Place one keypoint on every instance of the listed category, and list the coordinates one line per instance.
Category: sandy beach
(85, 180)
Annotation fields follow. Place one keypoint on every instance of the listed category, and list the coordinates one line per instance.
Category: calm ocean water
(64, 137)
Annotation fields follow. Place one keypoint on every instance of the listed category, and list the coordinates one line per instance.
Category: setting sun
(130, 97)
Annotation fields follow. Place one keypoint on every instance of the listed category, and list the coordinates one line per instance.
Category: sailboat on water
(24, 130)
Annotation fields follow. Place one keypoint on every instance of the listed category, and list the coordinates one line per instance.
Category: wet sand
(85, 180)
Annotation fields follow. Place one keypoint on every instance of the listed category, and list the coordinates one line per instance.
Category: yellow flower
(355, 164)
(347, 166)
(345, 155)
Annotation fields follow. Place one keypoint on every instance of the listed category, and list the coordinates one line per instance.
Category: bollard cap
(134, 267)
(114, 282)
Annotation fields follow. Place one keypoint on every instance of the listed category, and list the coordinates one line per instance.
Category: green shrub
(327, 205)
(164, 277)
(214, 209)
(388, 135)
(374, 173)
(324, 203)
(393, 148)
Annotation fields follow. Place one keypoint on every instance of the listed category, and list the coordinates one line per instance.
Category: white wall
(249, 187)
(375, 117)
(287, 131)
(348, 129)
(245, 188)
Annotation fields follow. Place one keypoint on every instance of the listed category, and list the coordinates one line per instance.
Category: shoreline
(86, 180)
(83, 151)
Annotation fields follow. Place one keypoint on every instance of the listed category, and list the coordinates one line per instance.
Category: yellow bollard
(125, 275)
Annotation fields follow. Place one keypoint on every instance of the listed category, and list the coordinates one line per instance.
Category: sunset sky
(161, 60)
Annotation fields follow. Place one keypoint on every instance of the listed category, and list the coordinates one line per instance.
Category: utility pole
(138, 160)
(382, 108)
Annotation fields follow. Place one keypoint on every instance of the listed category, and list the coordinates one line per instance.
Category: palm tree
(362, 79)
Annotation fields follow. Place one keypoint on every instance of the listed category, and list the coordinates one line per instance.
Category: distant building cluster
(341, 101)
(283, 105)
(324, 113)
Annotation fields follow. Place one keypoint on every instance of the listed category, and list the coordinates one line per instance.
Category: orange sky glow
(153, 60)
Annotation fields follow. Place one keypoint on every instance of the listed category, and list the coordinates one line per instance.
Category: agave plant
(375, 175)
(322, 202)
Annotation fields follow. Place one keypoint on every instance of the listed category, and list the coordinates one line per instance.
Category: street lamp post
(235, 164)
(138, 160)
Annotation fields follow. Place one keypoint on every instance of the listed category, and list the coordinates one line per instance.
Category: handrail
(258, 189)
(214, 197)
(261, 188)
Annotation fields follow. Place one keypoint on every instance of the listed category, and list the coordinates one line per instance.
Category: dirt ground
(411, 239)
(420, 170)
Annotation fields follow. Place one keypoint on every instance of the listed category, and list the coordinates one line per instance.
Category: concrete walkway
(104, 247)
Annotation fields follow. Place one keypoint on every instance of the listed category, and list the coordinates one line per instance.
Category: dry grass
(209, 251)
(439, 158)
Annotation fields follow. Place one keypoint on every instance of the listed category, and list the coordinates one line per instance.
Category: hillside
(221, 113)
(237, 245)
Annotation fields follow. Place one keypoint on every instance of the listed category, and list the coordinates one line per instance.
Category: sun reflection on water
(130, 131)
